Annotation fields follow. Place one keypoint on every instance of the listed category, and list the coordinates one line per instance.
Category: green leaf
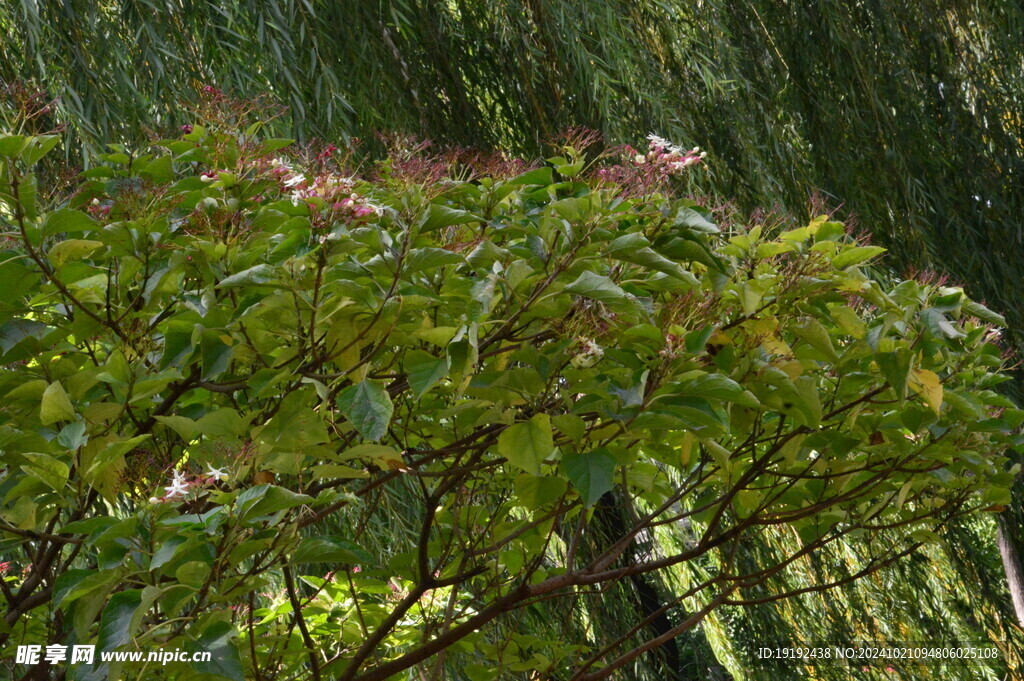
(15, 331)
(259, 274)
(177, 344)
(572, 426)
(56, 405)
(159, 170)
(368, 407)
(535, 491)
(814, 334)
(635, 248)
(855, 255)
(424, 370)
(224, 659)
(895, 366)
(185, 427)
(271, 145)
(48, 469)
(216, 354)
(439, 216)
(696, 220)
(166, 551)
(74, 584)
(938, 325)
(72, 250)
(591, 473)
(68, 221)
(37, 147)
(527, 444)
(330, 550)
(420, 259)
(983, 313)
(596, 286)
(11, 145)
(115, 624)
(537, 176)
(28, 194)
(390, 456)
(264, 500)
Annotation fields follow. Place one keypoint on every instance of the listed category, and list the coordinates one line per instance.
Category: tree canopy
(224, 367)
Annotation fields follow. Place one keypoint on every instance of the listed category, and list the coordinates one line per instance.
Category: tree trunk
(1009, 549)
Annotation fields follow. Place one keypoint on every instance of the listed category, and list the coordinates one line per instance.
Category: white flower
(593, 349)
(294, 181)
(217, 473)
(154, 500)
(640, 159)
(590, 353)
(659, 142)
(178, 486)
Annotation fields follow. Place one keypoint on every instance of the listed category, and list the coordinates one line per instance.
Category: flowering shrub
(641, 174)
(324, 427)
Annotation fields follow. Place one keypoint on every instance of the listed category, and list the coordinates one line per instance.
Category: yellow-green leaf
(56, 405)
(926, 384)
(527, 444)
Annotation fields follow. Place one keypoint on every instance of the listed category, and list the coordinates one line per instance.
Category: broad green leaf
(48, 469)
(938, 325)
(330, 550)
(591, 473)
(695, 219)
(855, 255)
(983, 313)
(424, 370)
(224, 659)
(115, 624)
(535, 491)
(56, 405)
(527, 444)
(159, 170)
(37, 147)
(368, 407)
(439, 216)
(258, 274)
(271, 145)
(596, 286)
(68, 221)
(215, 352)
(72, 250)
(927, 384)
(420, 259)
(265, 499)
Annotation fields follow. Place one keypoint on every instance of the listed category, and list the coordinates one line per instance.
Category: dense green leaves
(315, 422)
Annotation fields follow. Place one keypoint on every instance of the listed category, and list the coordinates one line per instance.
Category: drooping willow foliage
(907, 115)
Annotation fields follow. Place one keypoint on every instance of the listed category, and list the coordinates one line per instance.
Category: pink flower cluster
(672, 157)
(642, 173)
(332, 191)
(99, 209)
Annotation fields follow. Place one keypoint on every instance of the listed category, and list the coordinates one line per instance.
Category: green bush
(325, 427)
